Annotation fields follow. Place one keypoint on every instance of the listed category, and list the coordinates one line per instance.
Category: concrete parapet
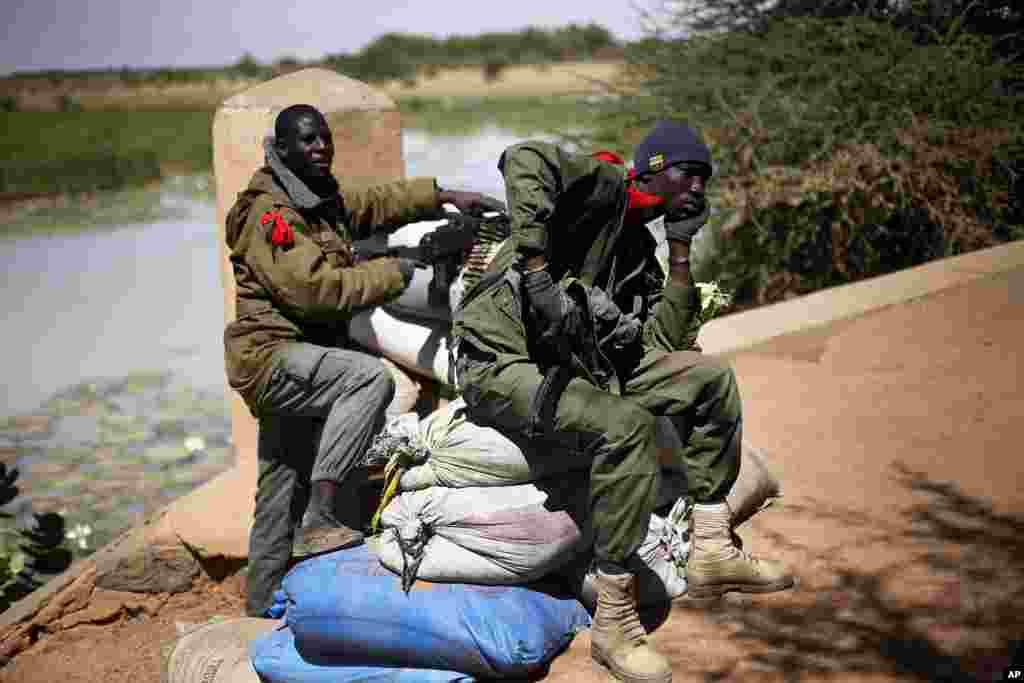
(733, 333)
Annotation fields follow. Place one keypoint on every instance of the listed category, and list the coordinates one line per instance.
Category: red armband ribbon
(637, 198)
(282, 234)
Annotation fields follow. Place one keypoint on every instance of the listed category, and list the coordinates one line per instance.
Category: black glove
(684, 225)
(551, 303)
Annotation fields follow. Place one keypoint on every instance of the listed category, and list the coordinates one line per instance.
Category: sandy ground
(897, 438)
(565, 78)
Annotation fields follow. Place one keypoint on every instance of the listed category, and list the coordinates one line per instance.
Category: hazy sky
(81, 34)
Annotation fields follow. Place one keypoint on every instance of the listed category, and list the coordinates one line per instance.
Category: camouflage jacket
(572, 207)
(295, 277)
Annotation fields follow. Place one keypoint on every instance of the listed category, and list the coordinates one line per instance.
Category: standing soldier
(318, 401)
(545, 350)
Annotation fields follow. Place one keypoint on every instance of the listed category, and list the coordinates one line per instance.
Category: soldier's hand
(683, 226)
(551, 302)
(408, 268)
(473, 203)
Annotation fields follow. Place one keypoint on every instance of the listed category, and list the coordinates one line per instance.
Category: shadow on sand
(945, 605)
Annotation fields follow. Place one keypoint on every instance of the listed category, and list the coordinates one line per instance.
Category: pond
(116, 300)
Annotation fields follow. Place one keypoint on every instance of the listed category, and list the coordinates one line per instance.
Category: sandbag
(445, 448)
(503, 535)
(217, 652)
(345, 604)
(407, 390)
(510, 534)
(275, 658)
(419, 345)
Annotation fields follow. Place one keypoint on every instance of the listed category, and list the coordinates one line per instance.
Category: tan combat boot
(717, 566)
(618, 640)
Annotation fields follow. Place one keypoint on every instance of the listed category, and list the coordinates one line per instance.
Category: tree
(248, 67)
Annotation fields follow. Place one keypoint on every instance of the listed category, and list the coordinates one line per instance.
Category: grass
(127, 136)
(86, 151)
(520, 115)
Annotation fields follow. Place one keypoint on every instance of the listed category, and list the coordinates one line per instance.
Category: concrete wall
(368, 149)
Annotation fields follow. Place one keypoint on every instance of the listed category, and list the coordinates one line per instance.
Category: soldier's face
(681, 186)
(308, 149)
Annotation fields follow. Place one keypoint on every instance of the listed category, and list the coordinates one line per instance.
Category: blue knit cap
(669, 142)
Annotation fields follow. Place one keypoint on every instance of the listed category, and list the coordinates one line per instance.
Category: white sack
(457, 453)
(501, 535)
(417, 344)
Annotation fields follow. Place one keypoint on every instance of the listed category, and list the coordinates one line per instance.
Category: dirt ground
(563, 78)
(897, 438)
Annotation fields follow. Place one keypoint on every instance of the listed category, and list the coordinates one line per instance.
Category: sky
(87, 34)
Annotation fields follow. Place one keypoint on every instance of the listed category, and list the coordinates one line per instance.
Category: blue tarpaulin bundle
(344, 608)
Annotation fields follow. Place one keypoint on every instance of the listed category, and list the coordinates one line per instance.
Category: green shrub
(845, 148)
(67, 103)
(30, 554)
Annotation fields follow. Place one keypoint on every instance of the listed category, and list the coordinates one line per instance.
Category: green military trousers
(617, 433)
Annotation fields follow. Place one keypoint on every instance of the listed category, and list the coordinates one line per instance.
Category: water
(143, 298)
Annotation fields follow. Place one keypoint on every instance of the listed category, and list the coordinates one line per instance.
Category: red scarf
(637, 198)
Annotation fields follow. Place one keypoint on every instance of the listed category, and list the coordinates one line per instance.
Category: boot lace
(622, 612)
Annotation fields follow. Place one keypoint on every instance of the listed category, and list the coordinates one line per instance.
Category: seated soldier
(544, 349)
(318, 401)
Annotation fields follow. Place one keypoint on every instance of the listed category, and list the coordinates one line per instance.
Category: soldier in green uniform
(576, 335)
(318, 401)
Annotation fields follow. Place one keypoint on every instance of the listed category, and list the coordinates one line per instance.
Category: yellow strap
(392, 475)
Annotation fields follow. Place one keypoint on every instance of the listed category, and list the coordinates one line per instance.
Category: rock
(229, 498)
(107, 605)
(73, 598)
(75, 431)
(18, 640)
(104, 606)
(143, 564)
(43, 609)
